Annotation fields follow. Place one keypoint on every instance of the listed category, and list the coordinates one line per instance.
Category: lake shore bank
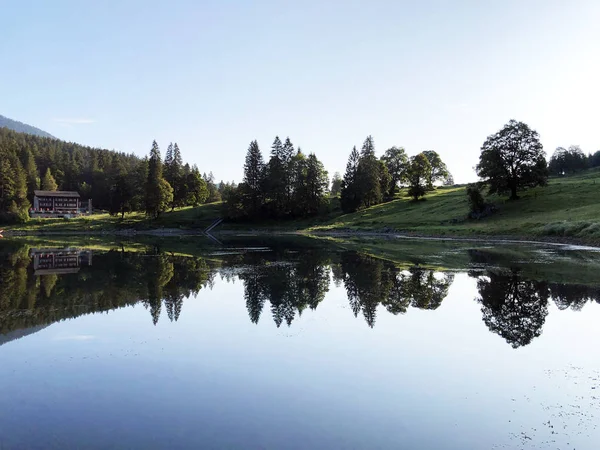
(337, 233)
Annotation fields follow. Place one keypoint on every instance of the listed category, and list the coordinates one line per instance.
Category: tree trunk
(513, 192)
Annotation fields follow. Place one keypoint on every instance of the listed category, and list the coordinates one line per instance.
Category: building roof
(56, 194)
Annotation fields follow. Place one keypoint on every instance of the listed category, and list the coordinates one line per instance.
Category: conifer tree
(31, 172)
(13, 188)
(254, 171)
(336, 184)
(368, 176)
(350, 197)
(276, 179)
(48, 182)
(316, 185)
(159, 193)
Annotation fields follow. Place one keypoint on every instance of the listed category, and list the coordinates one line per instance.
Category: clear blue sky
(214, 75)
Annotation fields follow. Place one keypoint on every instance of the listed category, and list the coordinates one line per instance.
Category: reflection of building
(58, 261)
(58, 204)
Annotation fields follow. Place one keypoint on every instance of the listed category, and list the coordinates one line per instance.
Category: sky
(215, 75)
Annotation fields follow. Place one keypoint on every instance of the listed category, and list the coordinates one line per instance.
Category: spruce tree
(159, 193)
(316, 185)
(368, 176)
(276, 188)
(254, 171)
(350, 196)
(13, 188)
(168, 165)
(288, 163)
(31, 172)
(178, 180)
(48, 182)
(336, 184)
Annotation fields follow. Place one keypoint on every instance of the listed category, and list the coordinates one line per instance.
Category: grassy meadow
(568, 207)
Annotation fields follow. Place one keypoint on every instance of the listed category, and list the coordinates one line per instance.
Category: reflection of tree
(116, 279)
(370, 281)
(573, 296)
(291, 281)
(513, 307)
(160, 271)
(290, 286)
(48, 283)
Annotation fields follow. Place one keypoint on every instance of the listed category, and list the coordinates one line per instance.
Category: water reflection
(41, 286)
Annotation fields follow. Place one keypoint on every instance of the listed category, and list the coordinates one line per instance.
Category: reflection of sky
(428, 379)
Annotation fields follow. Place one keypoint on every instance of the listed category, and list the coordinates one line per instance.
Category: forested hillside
(22, 127)
(116, 181)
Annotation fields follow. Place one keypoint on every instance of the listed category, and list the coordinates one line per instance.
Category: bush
(477, 204)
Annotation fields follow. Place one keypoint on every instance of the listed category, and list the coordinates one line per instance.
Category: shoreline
(409, 235)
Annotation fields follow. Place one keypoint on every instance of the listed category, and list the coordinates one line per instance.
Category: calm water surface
(295, 346)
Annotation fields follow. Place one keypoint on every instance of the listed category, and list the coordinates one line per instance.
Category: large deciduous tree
(396, 161)
(513, 159)
(418, 176)
(439, 171)
(564, 162)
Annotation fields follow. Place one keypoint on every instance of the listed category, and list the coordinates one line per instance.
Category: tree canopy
(513, 159)
(564, 162)
(419, 176)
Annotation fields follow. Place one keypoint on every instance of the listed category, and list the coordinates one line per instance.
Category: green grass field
(567, 208)
(182, 218)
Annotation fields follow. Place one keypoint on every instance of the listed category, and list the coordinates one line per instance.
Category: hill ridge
(21, 127)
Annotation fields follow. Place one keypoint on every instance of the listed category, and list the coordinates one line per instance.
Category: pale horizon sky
(215, 75)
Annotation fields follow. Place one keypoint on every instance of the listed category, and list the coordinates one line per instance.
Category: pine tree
(336, 184)
(287, 157)
(168, 163)
(177, 178)
(254, 171)
(316, 185)
(13, 188)
(48, 182)
(350, 197)
(31, 172)
(368, 176)
(276, 188)
(159, 193)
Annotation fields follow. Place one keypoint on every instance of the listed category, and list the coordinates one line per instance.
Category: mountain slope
(23, 127)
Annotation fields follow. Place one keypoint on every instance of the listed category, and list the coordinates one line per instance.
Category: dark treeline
(369, 181)
(294, 185)
(515, 307)
(290, 184)
(117, 182)
(117, 279)
(572, 160)
(285, 282)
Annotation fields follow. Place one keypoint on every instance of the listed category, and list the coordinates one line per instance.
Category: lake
(298, 343)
